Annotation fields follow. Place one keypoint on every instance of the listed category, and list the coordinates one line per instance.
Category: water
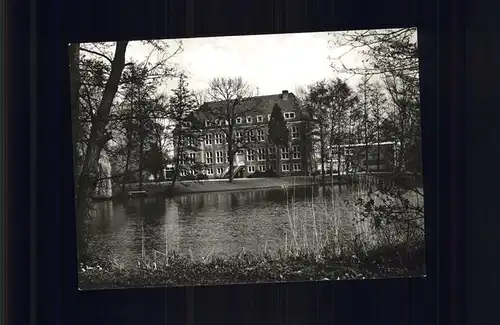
(219, 223)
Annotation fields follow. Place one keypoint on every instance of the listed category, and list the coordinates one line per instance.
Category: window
(190, 141)
(260, 119)
(238, 120)
(226, 122)
(272, 153)
(216, 122)
(297, 168)
(210, 171)
(220, 171)
(218, 138)
(262, 168)
(285, 153)
(182, 173)
(268, 117)
(251, 136)
(208, 139)
(285, 167)
(209, 157)
(249, 119)
(219, 157)
(295, 132)
(348, 152)
(238, 135)
(261, 154)
(192, 156)
(289, 115)
(251, 169)
(207, 123)
(261, 136)
(250, 155)
(295, 152)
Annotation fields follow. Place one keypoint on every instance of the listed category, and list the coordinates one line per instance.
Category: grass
(316, 246)
(254, 268)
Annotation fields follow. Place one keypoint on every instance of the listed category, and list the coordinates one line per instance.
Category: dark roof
(259, 104)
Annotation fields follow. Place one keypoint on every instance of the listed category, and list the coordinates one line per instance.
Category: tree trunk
(74, 59)
(378, 149)
(98, 138)
(366, 132)
(177, 160)
(141, 152)
(338, 159)
(129, 146)
(322, 144)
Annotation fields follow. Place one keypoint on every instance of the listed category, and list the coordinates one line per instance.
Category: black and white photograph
(248, 159)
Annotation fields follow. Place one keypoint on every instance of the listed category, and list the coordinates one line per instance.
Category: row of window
(249, 119)
(260, 136)
(251, 155)
(251, 169)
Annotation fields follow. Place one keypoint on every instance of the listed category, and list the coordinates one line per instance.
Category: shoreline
(240, 184)
(222, 185)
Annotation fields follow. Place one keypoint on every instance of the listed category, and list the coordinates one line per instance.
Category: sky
(271, 63)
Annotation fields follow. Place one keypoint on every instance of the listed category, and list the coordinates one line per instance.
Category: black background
(459, 114)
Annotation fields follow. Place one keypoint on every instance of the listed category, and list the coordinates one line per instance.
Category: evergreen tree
(187, 130)
(278, 133)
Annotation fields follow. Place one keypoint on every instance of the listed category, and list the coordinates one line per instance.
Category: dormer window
(207, 123)
(249, 119)
(260, 119)
(289, 115)
(238, 120)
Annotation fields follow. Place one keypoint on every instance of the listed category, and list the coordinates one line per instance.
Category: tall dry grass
(330, 226)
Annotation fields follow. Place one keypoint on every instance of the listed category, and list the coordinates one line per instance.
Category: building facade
(255, 154)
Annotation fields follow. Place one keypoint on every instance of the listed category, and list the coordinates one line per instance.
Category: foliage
(278, 133)
(395, 212)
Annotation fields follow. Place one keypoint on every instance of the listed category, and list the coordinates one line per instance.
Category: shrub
(268, 173)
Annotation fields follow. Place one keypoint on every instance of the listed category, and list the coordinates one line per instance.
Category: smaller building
(360, 157)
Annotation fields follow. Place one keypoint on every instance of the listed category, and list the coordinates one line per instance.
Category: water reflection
(221, 222)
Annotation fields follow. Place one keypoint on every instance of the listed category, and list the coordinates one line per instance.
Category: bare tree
(200, 97)
(316, 108)
(392, 57)
(231, 99)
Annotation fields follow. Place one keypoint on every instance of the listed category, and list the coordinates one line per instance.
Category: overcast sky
(271, 63)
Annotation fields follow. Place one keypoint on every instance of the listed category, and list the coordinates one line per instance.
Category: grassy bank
(365, 235)
(176, 270)
(222, 185)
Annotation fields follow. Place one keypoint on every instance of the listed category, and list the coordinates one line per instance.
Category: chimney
(284, 94)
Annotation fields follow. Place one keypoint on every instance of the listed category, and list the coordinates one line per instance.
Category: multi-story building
(250, 137)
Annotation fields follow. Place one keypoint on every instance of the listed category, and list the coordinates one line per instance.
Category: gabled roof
(258, 104)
